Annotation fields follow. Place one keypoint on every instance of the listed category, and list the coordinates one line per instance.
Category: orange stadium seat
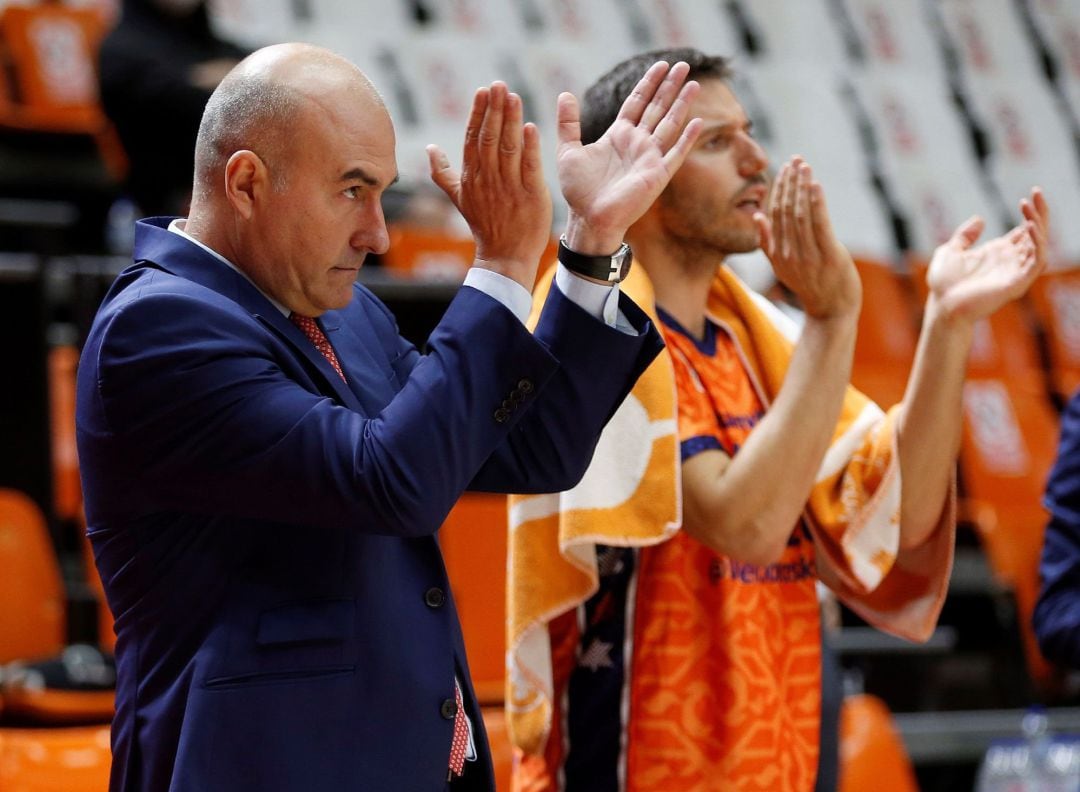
(67, 489)
(424, 254)
(872, 755)
(473, 541)
(74, 759)
(52, 51)
(1055, 298)
(885, 348)
(33, 625)
(428, 255)
(32, 613)
(502, 753)
(1009, 444)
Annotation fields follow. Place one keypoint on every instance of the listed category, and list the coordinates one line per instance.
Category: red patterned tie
(461, 736)
(318, 338)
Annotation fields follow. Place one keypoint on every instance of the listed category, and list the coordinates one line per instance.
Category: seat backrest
(67, 489)
(1009, 444)
(428, 255)
(885, 347)
(1055, 298)
(74, 759)
(473, 542)
(872, 755)
(502, 752)
(53, 50)
(32, 612)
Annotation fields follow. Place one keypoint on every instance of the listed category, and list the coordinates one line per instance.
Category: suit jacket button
(525, 386)
(434, 597)
(448, 709)
(501, 415)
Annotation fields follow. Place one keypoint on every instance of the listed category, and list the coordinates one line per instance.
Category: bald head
(264, 101)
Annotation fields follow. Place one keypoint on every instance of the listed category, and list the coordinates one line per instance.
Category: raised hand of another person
(610, 183)
(970, 283)
(500, 190)
(797, 236)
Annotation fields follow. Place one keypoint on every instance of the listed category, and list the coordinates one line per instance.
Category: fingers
(1035, 208)
(495, 138)
(532, 168)
(568, 116)
(634, 107)
(446, 178)
(674, 120)
(776, 209)
(1036, 213)
(822, 223)
(491, 128)
(666, 112)
(510, 137)
(804, 241)
(665, 96)
(472, 130)
(765, 235)
(799, 217)
(968, 232)
(677, 154)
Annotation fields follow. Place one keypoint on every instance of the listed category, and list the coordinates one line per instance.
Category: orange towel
(631, 497)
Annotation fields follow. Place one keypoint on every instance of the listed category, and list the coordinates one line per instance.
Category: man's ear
(246, 179)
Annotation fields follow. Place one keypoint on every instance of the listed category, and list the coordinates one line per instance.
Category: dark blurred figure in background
(158, 67)
(1057, 613)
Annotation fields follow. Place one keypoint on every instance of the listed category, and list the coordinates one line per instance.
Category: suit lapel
(154, 243)
(331, 383)
(362, 357)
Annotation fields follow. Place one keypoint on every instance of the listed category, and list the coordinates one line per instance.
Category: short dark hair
(604, 97)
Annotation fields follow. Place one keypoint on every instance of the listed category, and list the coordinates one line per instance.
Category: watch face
(613, 268)
(620, 264)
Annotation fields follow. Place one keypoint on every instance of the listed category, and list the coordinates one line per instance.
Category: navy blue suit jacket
(1057, 611)
(266, 533)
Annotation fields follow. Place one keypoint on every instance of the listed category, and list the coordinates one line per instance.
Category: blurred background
(915, 115)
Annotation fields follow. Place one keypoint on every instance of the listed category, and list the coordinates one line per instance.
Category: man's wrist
(939, 316)
(590, 240)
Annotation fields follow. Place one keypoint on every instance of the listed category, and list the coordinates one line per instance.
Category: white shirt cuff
(505, 290)
(596, 299)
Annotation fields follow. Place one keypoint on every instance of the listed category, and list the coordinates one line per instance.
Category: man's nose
(371, 233)
(753, 159)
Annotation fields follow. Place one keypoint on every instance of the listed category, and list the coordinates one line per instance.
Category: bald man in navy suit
(267, 462)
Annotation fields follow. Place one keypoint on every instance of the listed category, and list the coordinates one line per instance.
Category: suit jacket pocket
(292, 642)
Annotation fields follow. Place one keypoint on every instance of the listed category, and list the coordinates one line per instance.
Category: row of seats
(473, 541)
(1024, 363)
(76, 757)
(51, 51)
(915, 113)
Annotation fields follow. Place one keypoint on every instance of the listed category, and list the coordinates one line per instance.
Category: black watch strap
(613, 268)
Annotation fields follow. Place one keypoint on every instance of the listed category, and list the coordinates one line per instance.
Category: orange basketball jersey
(689, 670)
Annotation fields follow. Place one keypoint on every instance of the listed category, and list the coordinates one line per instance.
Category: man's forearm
(753, 502)
(930, 422)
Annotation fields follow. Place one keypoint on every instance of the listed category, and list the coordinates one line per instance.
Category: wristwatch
(613, 268)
